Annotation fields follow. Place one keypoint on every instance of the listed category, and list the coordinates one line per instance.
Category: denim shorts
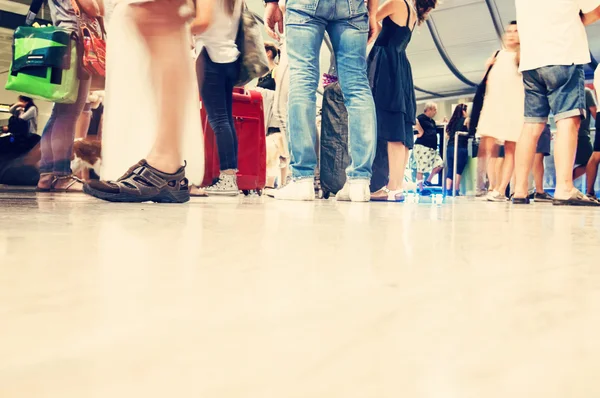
(558, 89)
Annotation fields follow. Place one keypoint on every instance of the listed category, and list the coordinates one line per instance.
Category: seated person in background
(425, 151)
(26, 110)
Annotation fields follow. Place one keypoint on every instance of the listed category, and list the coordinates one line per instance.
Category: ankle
(165, 164)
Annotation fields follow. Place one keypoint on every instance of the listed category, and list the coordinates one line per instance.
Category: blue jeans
(558, 89)
(217, 99)
(347, 24)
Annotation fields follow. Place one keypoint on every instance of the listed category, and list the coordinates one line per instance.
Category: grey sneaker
(226, 186)
(496, 197)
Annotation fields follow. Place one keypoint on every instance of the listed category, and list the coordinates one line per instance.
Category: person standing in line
(594, 162)
(554, 48)
(218, 52)
(390, 76)
(160, 177)
(350, 27)
(585, 149)
(501, 119)
(280, 103)
(268, 80)
(426, 148)
(59, 133)
(459, 122)
(542, 150)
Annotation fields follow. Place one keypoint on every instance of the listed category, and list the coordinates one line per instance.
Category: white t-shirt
(219, 38)
(552, 33)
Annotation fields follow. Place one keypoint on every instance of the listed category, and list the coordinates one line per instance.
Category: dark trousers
(217, 100)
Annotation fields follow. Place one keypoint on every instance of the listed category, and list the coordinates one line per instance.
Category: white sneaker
(226, 186)
(355, 191)
(302, 189)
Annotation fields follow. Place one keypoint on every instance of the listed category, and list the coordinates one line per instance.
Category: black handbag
(478, 100)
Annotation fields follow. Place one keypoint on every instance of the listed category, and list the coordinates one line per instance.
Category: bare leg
(485, 153)
(449, 185)
(491, 173)
(507, 168)
(524, 155)
(398, 156)
(564, 155)
(163, 31)
(538, 172)
(420, 180)
(592, 172)
(498, 171)
(435, 172)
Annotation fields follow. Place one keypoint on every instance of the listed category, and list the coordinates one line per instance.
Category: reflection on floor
(253, 298)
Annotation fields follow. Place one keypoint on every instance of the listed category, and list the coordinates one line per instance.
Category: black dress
(390, 76)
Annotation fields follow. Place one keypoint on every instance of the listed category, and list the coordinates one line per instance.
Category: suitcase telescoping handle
(458, 134)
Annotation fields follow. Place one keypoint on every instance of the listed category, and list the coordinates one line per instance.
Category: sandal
(385, 195)
(142, 183)
(66, 184)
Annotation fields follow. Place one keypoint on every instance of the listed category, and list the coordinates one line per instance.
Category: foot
(67, 184)
(543, 197)
(45, 182)
(482, 193)
(302, 189)
(520, 201)
(496, 197)
(427, 184)
(197, 192)
(226, 186)
(143, 183)
(575, 199)
(592, 196)
(385, 195)
(50, 182)
(354, 191)
(425, 192)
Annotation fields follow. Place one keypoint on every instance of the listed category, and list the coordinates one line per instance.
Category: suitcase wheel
(246, 192)
(259, 192)
(326, 195)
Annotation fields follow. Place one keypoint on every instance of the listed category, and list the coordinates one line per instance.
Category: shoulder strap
(408, 9)
(487, 73)
(98, 20)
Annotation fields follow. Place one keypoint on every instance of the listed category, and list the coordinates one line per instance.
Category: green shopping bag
(45, 64)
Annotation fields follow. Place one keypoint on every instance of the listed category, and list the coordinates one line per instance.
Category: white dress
(502, 116)
(130, 118)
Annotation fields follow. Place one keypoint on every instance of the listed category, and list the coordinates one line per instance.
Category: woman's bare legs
(162, 28)
(491, 172)
(508, 167)
(487, 149)
(398, 156)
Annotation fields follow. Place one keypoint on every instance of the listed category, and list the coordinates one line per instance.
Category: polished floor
(253, 298)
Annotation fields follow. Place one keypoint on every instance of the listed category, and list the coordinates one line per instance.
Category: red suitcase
(249, 121)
